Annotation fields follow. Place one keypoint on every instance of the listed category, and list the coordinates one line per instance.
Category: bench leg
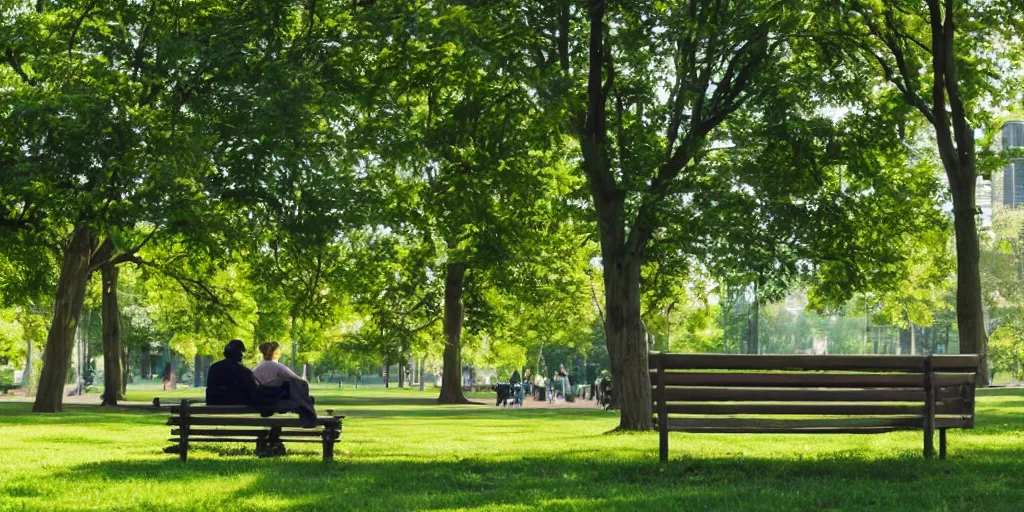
(328, 441)
(183, 426)
(942, 443)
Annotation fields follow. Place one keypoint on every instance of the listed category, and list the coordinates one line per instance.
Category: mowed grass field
(401, 452)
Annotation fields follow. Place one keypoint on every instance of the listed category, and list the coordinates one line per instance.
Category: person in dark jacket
(229, 382)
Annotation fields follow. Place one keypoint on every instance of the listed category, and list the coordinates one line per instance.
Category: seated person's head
(271, 350)
(234, 350)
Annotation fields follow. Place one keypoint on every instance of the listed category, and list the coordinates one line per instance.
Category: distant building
(1008, 186)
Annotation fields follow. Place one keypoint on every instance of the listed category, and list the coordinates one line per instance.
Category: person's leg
(298, 394)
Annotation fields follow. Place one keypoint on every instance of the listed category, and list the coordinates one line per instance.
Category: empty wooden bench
(804, 394)
(193, 422)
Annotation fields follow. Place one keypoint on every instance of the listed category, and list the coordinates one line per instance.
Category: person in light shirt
(269, 372)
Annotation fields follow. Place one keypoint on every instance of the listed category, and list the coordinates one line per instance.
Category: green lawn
(400, 452)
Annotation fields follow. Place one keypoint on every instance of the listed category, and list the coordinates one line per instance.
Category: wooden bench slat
(966, 363)
(822, 430)
(810, 380)
(760, 423)
(716, 394)
(798, 409)
(241, 440)
(793, 380)
(229, 421)
(853, 363)
(309, 432)
(228, 410)
(954, 422)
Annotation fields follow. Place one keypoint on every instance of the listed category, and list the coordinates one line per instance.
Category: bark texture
(113, 346)
(60, 341)
(451, 376)
(627, 346)
(970, 312)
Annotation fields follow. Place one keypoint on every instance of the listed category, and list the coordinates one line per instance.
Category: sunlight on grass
(401, 452)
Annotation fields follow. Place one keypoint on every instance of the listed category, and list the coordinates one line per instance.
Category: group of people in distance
(561, 385)
(270, 386)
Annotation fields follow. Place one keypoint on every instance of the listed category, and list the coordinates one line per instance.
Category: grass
(401, 452)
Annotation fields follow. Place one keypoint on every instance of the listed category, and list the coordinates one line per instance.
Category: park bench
(194, 422)
(805, 394)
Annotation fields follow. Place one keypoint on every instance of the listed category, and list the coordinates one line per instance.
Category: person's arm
(286, 373)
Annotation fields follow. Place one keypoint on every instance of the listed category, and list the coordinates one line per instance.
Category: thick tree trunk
(60, 341)
(970, 314)
(451, 374)
(113, 348)
(627, 347)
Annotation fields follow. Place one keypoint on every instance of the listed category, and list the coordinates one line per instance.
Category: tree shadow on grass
(984, 479)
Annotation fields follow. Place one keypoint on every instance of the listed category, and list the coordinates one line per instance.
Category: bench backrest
(792, 393)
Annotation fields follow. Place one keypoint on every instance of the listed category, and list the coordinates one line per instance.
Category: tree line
(401, 173)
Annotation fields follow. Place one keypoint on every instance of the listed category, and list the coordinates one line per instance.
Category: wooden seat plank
(312, 432)
(805, 423)
(719, 394)
(821, 430)
(797, 409)
(230, 421)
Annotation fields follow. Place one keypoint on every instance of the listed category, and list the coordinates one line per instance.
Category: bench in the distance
(192, 422)
(804, 394)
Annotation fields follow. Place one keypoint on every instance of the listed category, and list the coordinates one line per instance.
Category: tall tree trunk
(867, 321)
(401, 376)
(668, 326)
(627, 347)
(451, 374)
(295, 347)
(755, 321)
(125, 359)
(197, 371)
(913, 338)
(74, 276)
(970, 314)
(419, 368)
(26, 378)
(113, 348)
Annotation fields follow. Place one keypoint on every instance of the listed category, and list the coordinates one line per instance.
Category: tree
(117, 121)
(645, 154)
(943, 58)
(459, 124)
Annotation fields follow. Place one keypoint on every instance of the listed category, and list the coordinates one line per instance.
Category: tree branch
(12, 60)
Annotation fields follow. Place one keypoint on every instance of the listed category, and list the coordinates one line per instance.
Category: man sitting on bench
(228, 382)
